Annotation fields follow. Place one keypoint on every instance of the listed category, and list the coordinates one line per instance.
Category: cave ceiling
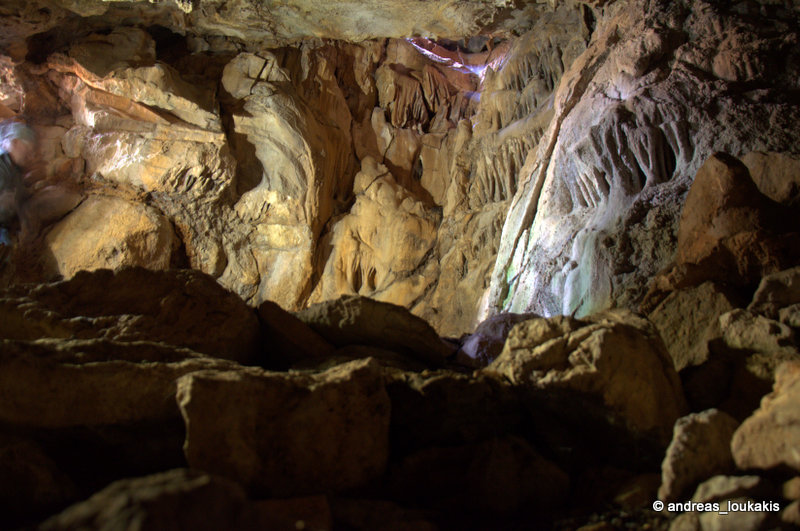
(269, 23)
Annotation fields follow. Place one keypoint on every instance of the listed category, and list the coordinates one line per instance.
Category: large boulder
(291, 341)
(728, 232)
(777, 175)
(59, 383)
(288, 434)
(183, 308)
(688, 318)
(354, 320)
(442, 408)
(615, 358)
(771, 436)
(110, 233)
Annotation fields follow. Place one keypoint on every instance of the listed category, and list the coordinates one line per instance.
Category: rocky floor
(142, 399)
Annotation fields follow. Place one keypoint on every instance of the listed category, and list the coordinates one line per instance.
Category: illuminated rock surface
(393, 174)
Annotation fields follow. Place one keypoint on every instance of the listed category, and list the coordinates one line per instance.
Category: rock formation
(401, 265)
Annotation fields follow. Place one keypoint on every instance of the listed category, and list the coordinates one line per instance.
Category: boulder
(688, 318)
(498, 476)
(770, 437)
(791, 514)
(183, 308)
(790, 316)
(791, 489)
(354, 320)
(443, 408)
(744, 330)
(776, 291)
(722, 202)
(60, 383)
(290, 340)
(728, 232)
(110, 233)
(700, 448)
(721, 487)
(777, 175)
(729, 490)
(288, 434)
(614, 357)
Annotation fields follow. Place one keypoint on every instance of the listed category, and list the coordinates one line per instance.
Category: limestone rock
(777, 175)
(312, 513)
(447, 409)
(744, 521)
(130, 71)
(639, 492)
(615, 357)
(52, 383)
(719, 488)
(181, 308)
(153, 158)
(486, 343)
(354, 320)
(467, 245)
(290, 340)
(791, 514)
(791, 489)
(687, 319)
(499, 475)
(184, 498)
(776, 291)
(770, 436)
(727, 490)
(295, 168)
(700, 448)
(790, 316)
(744, 330)
(381, 244)
(607, 179)
(288, 434)
(110, 233)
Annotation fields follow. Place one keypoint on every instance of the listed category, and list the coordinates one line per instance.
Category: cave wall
(662, 86)
(541, 167)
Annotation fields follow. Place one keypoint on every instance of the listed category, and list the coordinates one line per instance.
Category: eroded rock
(687, 319)
(180, 308)
(700, 448)
(615, 357)
(770, 436)
(288, 434)
(353, 320)
(110, 233)
(52, 383)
